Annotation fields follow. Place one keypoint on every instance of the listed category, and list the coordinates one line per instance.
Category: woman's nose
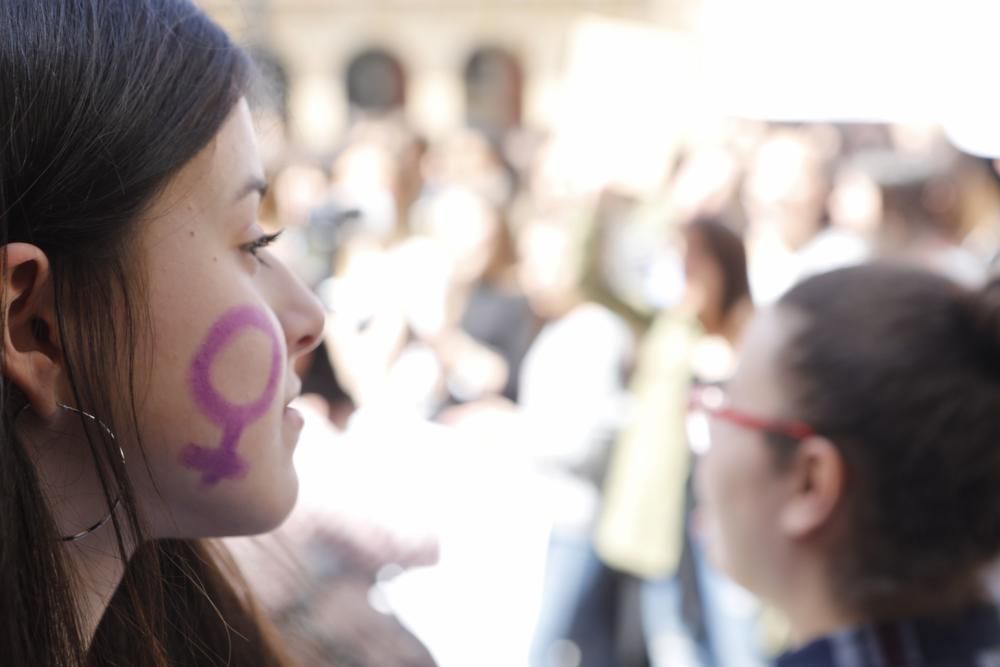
(300, 312)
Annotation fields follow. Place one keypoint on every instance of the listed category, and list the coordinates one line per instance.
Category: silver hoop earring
(117, 501)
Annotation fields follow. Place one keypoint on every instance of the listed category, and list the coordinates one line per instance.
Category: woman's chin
(262, 515)
(293, 421)
(282, 507)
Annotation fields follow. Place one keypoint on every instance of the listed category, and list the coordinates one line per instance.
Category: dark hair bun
(901, 368)
(983, 309)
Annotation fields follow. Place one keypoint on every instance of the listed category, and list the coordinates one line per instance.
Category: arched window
(376, 81)
(493, 91)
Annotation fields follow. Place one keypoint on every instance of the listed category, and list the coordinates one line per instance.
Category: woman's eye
(254, 247)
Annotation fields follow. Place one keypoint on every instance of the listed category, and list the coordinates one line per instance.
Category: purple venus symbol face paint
(222, 462)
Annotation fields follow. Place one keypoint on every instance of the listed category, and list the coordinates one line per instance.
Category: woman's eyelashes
(264, 240)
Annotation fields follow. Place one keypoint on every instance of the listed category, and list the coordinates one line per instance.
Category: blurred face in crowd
(703, 277)
(786, 188)
(468, 228)
(705, 181)
(760, 516)
(855, 203)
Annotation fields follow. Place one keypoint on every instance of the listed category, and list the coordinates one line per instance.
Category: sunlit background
(491, 197)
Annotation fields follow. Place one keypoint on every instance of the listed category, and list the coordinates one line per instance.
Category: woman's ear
(817, 477)
(32, 351)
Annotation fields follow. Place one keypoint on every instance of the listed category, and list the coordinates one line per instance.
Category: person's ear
(816, 474)
(32, 352)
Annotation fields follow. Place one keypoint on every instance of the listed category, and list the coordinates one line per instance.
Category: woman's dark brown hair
(725, 246)
(101, 103)
(900, 368)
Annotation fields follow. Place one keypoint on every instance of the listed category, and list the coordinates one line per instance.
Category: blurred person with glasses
(850, 471)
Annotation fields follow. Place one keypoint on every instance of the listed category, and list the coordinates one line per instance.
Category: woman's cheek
(219, 448)
(714, 490)
(218, 458)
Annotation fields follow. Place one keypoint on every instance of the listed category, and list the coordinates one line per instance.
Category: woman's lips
(293, 416)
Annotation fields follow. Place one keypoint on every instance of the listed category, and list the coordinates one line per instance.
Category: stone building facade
(443, 63)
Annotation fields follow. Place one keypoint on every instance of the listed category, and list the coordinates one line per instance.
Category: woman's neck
(815, 618)
(815, 610)
(812, 608)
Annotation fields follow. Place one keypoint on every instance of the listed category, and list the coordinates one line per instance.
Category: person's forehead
(213, 177)
(758, 381)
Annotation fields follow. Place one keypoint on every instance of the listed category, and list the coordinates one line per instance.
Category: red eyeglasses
(713, 402)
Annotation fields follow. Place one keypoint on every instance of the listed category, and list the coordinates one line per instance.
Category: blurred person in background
(372, 182)
(572, 389)
(706, 182)
(467, 159)
(980, 209)
(788, 183)
(691, 615)
(920, 211)
(853, 466)
(855, 216)
(375, 299)
(488, 324)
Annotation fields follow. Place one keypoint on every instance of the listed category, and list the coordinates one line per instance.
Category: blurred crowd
(497, 458)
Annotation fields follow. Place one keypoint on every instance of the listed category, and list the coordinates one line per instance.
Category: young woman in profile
(853, 479)
(148, 339)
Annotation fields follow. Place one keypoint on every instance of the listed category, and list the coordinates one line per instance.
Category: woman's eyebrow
(255, 184)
